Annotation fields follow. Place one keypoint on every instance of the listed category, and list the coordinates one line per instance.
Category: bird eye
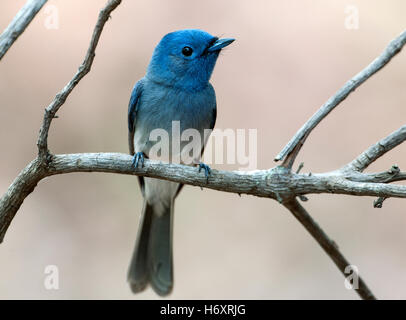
(187, 51)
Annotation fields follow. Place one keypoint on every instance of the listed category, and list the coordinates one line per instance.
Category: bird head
(185, 59)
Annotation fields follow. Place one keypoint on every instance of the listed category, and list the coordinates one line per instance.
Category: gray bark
(19, 23)
(295, 144)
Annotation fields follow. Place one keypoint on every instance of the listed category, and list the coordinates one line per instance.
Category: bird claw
(207, 170)
(137, 157)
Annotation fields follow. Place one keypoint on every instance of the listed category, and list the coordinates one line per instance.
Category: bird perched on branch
(175, 88)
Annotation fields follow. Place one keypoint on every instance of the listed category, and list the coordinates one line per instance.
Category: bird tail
(152, 258)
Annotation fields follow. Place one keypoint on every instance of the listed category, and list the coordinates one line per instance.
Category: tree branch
(328, 245)
(21, 187)
(84, 68)
(294, 145)
(377, 150)
(276, 183)
(18, 24)
(26, 181)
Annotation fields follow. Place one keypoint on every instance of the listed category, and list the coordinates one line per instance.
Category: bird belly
(171, 114)
(175, 124)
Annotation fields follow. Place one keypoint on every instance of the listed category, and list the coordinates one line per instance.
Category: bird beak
(220, 44)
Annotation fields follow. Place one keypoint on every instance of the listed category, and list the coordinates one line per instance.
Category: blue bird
(175, 88)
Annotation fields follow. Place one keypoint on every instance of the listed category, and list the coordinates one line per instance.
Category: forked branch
(293, 147)
(84, 68)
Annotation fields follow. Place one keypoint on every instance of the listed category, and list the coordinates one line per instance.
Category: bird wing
(212, 124)
(132, 113)
(132, 116)
(214, 117)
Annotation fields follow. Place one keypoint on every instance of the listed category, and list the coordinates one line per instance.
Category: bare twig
(36, 170)
(300, 167)
(18, 24)
(294, 145)
(378, 150)
(380, 177)
(84, 68)
(378, 203)
(385, 177)
(329, 246)
(21, 187)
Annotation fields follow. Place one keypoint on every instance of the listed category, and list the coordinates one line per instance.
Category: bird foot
(139, 156)
(207, 170)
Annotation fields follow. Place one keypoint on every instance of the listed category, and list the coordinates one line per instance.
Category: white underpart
(160, 193)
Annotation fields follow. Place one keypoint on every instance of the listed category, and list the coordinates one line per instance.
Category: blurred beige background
(289, 57)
